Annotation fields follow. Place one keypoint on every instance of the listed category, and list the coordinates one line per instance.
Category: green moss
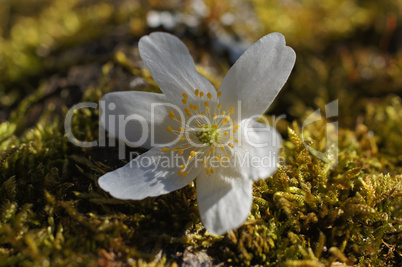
(310, 213)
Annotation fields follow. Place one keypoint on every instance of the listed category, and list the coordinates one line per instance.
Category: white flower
(209, 130)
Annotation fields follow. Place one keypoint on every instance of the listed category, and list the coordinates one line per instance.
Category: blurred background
(57, 53)
(346, 49)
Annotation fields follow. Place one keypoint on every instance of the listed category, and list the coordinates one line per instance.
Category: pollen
(196, 92)
(165, 149)
(185, 96)
(209, 95)
(219, 94)
(169, 128)
(184, 101)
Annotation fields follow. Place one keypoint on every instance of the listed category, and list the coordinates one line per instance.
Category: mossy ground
(55, 54)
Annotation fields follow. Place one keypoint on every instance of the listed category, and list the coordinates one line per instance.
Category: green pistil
(208, 134)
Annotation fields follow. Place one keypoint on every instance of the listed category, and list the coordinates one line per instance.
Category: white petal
(147, 175)
(172, 66)
(258, 75)
(257, 152)
(224, 202)
(146, 115)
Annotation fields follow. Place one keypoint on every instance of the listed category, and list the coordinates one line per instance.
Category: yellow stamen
(179, 173)
(206, 103)
(231, 110)
(201, 94)
(220, 106)
(209, 95)
(169, 129)
(185, 96)
(196, 92)
(219, 94)
(184, 101)
(165, 149)
(185, 174)
(181, 152)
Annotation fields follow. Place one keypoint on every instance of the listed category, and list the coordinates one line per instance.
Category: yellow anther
(169, 129)
(181, 152)
(231, 110)
(184, 101)
(226, 133)
(185, 96)
(237, 127)
(185, 174)
(201, 94)
(212, 149)
(209, 95)
(180, 129)
(201, 113)
(219, 94)
(214, 116)
(182, 138)
(193, 153)
(231, 138)
(223, 112)
(179, 119)
(196, 92)
(222, 148)
(231, 145)
(206, 103)
(212, 170)
(179, 173)
(215, 126)
(208, 171)
(182, 166)
(220, 106)
(225, 121)
(165, 149)
(237, 141)
(171, 115)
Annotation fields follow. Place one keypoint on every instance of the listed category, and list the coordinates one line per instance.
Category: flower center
(208, 134)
